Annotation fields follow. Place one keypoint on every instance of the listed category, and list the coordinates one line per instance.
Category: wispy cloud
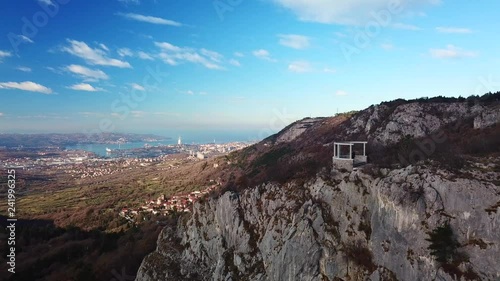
(329, 70)
(451, 52)
(459, 30)
(125, 52)
(404, 26)
(23, 69)
(340, 34)
(173, 55)
(93, 56)
(294, 41)
(144, 56)
(350, 12)
(42, 116)
(214, 56)
(137, 113)
(4, 54)
(300, 67)
(25, 39)
(341, 93)
(263, 54)
(129, 2)
(238, 54)
(167, 114)
(192, 93)
(87, 73)
(104, 47)
(387, 46)
(234, 62)
(84, 87)
(26, 86)
(94, 114)
(46, 2)
(138, 87)
(149, 19)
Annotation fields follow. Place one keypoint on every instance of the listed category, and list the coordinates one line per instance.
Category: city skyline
(147, 66)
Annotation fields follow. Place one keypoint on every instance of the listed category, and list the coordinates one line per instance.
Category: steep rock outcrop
(487, 118)
(387, 125)
(351, 226)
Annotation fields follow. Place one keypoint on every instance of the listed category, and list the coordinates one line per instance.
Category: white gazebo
(343, 156)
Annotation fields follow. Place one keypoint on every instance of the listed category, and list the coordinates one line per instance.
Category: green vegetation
(271, 158)
(445, 248)
(347, 114)
(443, 244)
(48, 252)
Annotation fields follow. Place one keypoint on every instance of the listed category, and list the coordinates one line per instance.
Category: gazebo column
(350, 151)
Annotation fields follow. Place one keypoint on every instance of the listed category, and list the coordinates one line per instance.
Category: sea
(186, 138)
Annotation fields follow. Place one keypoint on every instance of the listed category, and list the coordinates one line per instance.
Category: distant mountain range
(61, 140)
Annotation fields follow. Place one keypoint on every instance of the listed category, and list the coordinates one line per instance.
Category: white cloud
(125, 52)
(341, 93)
(137, 113)
(26, 86)
(340, 34)
(4, 54)
(137, 87)
(263, 54)
(460, 30)
(387, 46)
(300, 67)
(144, 56)
(24, 68)
(451, 52)
(167, 114)
(149, 19)
(294, 41)
(191, 93)
(234, 62)
(84, 87)
(238, 54)
(1, 114)
(329, 70)
(404, 26)
(173, 55)
(46, 2)
(25, 39)
(93, 56)
(345, 12)
(87, 73)
(104, 47)
(168, 47)
(212, 55)
(130, 1)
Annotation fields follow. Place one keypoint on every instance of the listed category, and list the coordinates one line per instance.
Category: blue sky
(239, 65)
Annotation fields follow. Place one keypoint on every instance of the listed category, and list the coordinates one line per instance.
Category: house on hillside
(349, 154)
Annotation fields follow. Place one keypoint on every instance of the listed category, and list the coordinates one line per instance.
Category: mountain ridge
(286, 214)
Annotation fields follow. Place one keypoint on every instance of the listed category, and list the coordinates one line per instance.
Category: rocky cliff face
(350, 226)
(388, 125)
(369, 224)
